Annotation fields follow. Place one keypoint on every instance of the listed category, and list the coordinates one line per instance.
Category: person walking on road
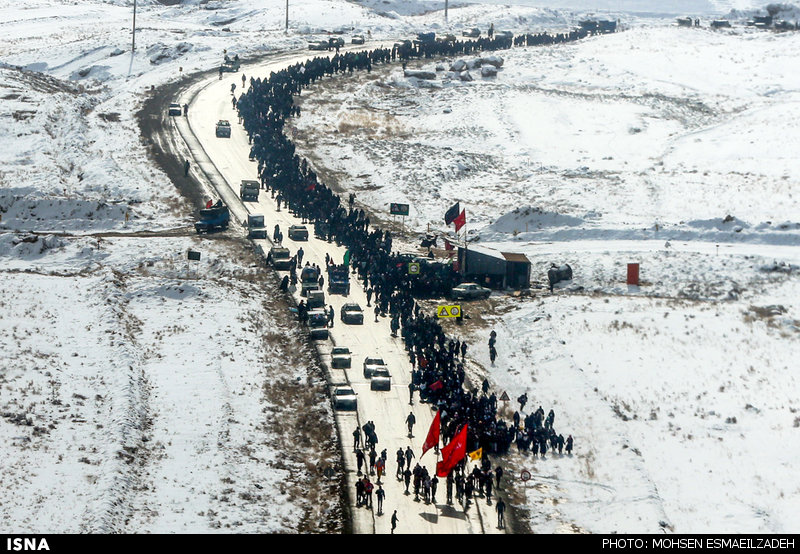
(394, 521)
(300, 257)
(360, 459)
(185, 168)
(407, 478)
(499, 473)
(409, 456)
(330, 315)
(380, 494)
(380, 467)
(501, 510)
(411, 388)
(401, 462)
(372, 456)
(368, 487)
(410, 421)
(356, 439)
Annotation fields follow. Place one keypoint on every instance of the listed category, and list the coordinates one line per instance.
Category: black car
(351, 313)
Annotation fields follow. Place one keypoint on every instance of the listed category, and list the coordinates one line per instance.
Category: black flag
(451, 214)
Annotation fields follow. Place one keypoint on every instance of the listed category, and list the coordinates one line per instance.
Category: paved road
(209, 101)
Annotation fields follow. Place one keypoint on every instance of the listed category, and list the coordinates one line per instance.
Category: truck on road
(309, 279)
(248, 190)
(279, 258)
(255, 226)
(338, 280)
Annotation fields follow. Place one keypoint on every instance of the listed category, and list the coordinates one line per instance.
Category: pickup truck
(338, 280)
(215, 217)
(248, 190)
(255, 226)
(279, 258)
(318, 323)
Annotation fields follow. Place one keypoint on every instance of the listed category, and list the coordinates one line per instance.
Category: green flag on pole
(347, 258)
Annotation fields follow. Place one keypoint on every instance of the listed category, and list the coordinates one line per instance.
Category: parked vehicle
(336, 42)
(248, 190)
(352, 314)
(338, 279)
(298, 232)
(315, 299)
(216, 217)
(357, 39)
(255, 226)
(381, 379)
(344, 398)
(309, 280)
(318, 45)
(371, 363)
(279, 258)
(318, 323)
(224, 128)
(469, 291)
(471, 33)
(341, 357)
(175, 109)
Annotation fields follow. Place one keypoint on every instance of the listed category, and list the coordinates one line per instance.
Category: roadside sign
(504, 397)
(194, 255)
(413, 268)
(448, 311)
(398, 209)
(525, 475)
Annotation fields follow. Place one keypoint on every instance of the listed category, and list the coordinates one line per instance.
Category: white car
(344, 398)
(175, 109)
(371, 363)
(381, 379)
(340, 357)
(469, 291)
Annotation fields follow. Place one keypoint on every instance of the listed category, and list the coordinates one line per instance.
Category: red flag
(436, 385)
(448, 245)
(433, 436)
(453, 453)
(461, 220)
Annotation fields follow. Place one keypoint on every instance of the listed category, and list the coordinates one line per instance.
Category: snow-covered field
(669, 147)
(141, 394)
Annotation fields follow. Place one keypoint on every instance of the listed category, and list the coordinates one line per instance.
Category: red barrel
(633, 274)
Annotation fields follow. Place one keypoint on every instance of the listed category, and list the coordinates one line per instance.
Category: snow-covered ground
(669, 147)
(134, 387)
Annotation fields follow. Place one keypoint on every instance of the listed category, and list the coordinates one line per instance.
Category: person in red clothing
(368, 491)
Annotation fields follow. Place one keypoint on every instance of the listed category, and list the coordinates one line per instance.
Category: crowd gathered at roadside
(438, 375)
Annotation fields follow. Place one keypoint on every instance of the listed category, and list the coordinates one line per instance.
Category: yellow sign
(448, 311)
(477, 455)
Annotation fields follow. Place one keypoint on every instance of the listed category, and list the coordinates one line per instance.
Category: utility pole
(133, 45)
(445, 11)
(287, 16)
